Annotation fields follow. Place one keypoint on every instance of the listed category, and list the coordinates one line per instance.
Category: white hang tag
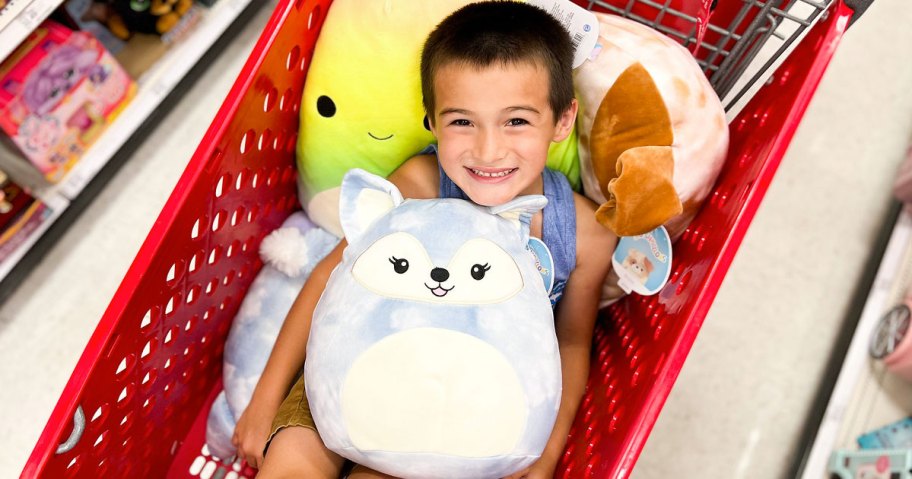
(581, 23)
(643, 262)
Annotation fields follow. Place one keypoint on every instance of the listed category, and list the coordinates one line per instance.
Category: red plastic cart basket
(137, 401)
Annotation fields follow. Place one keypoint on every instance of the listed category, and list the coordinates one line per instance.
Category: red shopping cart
(137, 401)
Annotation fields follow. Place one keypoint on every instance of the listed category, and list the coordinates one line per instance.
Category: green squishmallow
(362, 107)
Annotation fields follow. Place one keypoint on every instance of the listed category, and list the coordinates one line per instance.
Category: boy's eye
(461, 123)
(517, 122)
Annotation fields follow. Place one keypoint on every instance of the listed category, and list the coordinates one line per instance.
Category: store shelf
(19, 18)
(57, 205)
(153, 88)
(860, 400)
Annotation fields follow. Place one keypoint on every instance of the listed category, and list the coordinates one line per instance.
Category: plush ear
(632, 155)
(642, 197)
(364, 198)
(520, 212)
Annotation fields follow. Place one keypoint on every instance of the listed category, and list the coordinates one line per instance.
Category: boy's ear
(565, 122)
(363, 199)
(520, 212)
(429, 124)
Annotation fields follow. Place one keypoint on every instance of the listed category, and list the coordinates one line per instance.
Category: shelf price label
(35, 13)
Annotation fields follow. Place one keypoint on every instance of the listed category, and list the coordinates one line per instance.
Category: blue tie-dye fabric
(254, 331)
(351, 318)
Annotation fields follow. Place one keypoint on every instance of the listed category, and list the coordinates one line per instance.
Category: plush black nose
(439, 274)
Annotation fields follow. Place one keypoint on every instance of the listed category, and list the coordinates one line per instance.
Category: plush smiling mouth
(492, 174)
(439, 290)
(378, 138)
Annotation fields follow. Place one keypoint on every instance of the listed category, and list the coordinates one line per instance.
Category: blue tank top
(558, 221)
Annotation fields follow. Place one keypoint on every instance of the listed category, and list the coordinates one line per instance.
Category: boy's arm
(284, 362)
(416, 178)
(575, 320)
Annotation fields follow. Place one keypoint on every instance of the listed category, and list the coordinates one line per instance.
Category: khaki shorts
(294, 411)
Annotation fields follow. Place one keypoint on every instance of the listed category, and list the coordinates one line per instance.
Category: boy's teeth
(492, 175)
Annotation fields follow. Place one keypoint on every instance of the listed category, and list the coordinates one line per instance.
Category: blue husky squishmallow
(432, 352)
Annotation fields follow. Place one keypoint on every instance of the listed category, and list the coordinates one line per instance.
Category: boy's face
(494, 126)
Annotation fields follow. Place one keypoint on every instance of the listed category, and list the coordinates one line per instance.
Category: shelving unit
(866, 396)
(19, 18)
(153, 88)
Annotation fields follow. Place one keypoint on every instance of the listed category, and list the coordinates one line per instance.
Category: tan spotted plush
(652, 131)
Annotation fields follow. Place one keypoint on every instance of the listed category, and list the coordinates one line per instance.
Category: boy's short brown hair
(505, 32)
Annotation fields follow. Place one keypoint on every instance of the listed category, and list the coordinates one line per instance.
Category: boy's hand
(251, 432)
(541, 469)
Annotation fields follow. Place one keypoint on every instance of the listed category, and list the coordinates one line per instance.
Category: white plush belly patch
(434, 390)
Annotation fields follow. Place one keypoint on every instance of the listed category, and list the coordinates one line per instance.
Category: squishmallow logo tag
(643, 262)
(582, 25)
(544, 262)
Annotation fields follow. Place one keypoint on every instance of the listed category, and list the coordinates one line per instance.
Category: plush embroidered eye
(400, 265)
(478, 271)
(326, 107)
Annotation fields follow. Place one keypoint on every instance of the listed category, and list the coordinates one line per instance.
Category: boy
(497, 86)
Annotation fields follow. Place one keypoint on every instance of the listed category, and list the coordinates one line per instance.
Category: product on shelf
(85, 15)
(20, 215)
(892, 436)
(891, 342)
(58, 92)
(902, 185)
(125, 17)
(879, 464)
(142, 46)
(13, 200)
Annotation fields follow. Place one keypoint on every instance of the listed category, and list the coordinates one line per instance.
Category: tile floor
(740, 403)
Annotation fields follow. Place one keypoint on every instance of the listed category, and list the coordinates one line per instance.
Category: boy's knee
(299, 452)
(361, 472)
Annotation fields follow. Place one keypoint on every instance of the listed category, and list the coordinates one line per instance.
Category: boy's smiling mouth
(491, 174)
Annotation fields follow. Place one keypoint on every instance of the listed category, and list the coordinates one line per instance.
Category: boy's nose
(489, 146)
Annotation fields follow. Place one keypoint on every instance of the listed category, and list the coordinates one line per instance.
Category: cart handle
(858, 8)
(79, 423)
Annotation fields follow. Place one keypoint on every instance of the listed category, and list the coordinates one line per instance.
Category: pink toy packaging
(58, 92)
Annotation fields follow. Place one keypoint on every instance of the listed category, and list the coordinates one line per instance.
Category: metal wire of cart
(726, 51)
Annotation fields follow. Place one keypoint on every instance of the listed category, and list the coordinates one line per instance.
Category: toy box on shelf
(20, 215)
(873, 390)
(137, 33)
(58, 91)
(81, 15)
(873, 464)
(141, 392)
(896, 435)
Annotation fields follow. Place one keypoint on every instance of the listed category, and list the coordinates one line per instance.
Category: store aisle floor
(740, 403)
